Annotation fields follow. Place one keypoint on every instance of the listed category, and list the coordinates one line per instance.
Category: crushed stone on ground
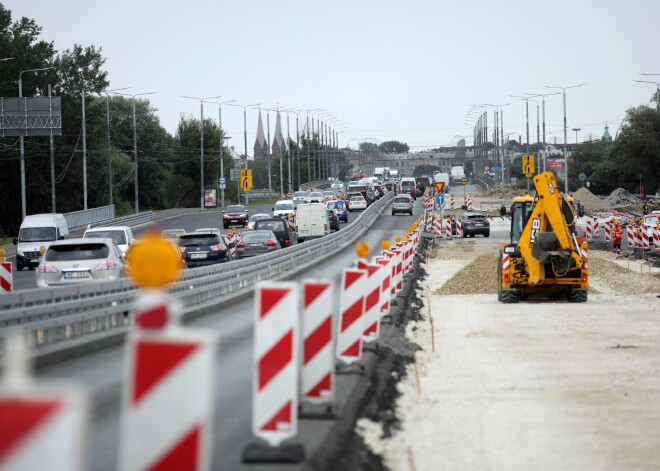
(621, 197)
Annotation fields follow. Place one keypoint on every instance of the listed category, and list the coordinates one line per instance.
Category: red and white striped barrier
(351, 315)
(607, 227)
(232, 237)
(656, 237)
(398, 254)
(438, 226)
(447, 228)
(459, 227)
(429, 220)
(630, 235)
(589, 230)
(41, 426)
(167, 405)
(6, 277)
(506, 259)
(318, 356)
(467, 200)
(386, 282)
(644, 234)
(585, 256)
(596, 227)
(451, 201)
(275, 385)
(371, 301)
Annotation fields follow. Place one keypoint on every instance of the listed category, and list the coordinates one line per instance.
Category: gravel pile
(621, 197)
(619, 280)
(479, 277)
(590, 201)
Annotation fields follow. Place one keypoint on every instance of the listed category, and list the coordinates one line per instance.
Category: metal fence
(132, 220)
(63, 314)
(83, 218)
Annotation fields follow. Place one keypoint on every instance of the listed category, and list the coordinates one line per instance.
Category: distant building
(279, 144)
(606, 135)
(260, 143)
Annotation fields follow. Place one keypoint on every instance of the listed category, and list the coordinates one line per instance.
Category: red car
(235, 215)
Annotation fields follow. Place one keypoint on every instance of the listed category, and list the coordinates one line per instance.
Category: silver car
(257, 242)
(402, 204)
(80, 261)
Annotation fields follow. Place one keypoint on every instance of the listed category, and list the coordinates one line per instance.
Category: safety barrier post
(589, 230)
(371, 299)
(448, 229)
(41, 426)
(459, 228)
(6, 277)
(167, 402)
(630, 235)
(275, 383)
(351, 315)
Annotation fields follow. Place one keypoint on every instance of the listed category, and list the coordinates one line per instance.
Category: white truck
(379, 173)
(457, 173)
(394, 174)
(312, 221)
(37, 231)
(440, 177)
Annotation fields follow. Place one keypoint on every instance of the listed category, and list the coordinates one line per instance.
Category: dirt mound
(479, 277)
(621, 197)
(590, 201)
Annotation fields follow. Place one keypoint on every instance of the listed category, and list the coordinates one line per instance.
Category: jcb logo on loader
(536, 226)
(551, 189)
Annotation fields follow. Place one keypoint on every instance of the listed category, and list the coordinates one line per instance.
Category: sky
(387, 70)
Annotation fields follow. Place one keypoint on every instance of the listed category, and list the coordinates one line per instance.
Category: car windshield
(192, 241)
(119, 237)
(401, 200)
(69, 253)
(36, 234)
(331, 204)
(271, 225)
(256, 217)
(256, 235)
(300, 193)
(328, 193)
(235, 209)
(476, 216)
(407, 185)
(357, 198)
(316, 193)
(283, 206)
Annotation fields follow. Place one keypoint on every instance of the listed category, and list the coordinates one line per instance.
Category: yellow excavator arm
(547, 237)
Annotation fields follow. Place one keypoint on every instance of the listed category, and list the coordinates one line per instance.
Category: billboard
(210, 198)
(554, 164)
(30, 116)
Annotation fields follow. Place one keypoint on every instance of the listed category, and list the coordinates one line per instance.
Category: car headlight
(19, 251)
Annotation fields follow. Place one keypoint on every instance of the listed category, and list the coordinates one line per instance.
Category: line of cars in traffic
(101, 253)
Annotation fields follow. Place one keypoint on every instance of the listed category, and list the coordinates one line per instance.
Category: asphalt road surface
(102, 372)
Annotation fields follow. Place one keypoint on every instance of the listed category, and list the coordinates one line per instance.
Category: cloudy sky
(403, 70)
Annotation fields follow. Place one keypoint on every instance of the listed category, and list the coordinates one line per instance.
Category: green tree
(425, 170)
(394, 147)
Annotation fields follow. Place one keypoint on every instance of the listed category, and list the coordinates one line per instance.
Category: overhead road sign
(31, 116)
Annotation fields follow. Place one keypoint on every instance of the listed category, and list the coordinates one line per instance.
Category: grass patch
(5, 240)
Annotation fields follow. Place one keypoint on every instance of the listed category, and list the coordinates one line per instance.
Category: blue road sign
(440, 200)
(496, 169)
(222, 180)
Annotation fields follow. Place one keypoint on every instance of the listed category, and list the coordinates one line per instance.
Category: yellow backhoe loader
(545, 257)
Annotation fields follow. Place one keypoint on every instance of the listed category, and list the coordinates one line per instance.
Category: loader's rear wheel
(577, 295)
(509, 296)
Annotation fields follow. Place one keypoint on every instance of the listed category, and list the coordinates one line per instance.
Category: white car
(357, 202)
(315, 197)
(121, 235)
(283, 208)
(300, 196)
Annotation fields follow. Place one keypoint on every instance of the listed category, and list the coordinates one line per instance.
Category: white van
(122, 236)
(38, 230)
(282, 208)
(312, 221)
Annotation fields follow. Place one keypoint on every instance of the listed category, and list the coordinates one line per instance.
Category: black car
(200, 249)
(280, 228)
(333, 219)
(473, 224)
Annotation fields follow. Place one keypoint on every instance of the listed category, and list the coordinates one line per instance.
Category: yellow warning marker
(153, 262)
(385, 245)
(398, 238)
(362, 250)
(2, 254)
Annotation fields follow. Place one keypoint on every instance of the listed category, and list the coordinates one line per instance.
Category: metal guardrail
(132, 220)
(83, 218)
(62, 314)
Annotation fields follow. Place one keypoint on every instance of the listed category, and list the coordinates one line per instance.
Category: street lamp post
(543, 95)
(657, 93)
(21, 138)
(135, 156)
(576, 131)
(563, 89)
(501, 137)
(245, 107)
(222, 138)
(107, 122)
(201, 144)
